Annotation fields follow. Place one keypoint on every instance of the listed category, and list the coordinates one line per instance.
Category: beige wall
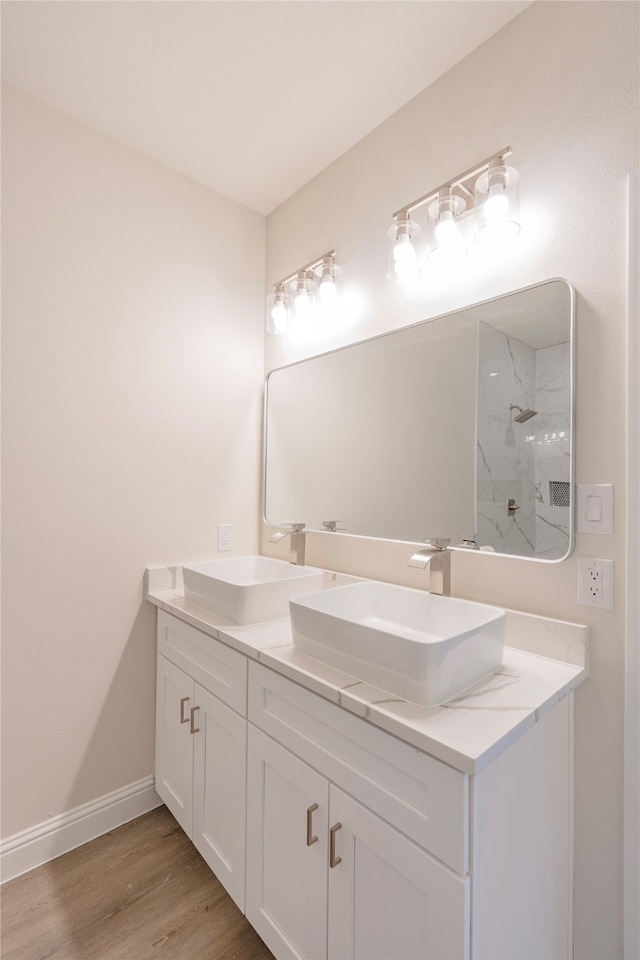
(560, 85)
(133, 352)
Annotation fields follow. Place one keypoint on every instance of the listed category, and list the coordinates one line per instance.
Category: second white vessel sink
(416, 645)
(248, 589)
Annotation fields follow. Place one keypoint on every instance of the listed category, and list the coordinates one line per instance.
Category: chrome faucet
(332, 526)
(437, 556)
(296, 554)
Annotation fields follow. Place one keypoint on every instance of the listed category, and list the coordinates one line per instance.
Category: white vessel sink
(417, 646)
(248, 589)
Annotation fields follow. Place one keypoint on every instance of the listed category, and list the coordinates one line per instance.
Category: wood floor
(141, 892)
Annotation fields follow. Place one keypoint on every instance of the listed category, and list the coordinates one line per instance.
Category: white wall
(560, 85)
(133, 352)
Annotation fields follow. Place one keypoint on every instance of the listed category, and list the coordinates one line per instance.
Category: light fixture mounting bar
(463, 182)
(308, 266)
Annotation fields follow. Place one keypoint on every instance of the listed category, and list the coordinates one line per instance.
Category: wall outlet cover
(595, 583)
(225, 538)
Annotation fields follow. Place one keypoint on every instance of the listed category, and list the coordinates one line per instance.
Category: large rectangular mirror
(459, 427)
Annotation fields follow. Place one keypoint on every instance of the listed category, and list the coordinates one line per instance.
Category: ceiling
(252, 98)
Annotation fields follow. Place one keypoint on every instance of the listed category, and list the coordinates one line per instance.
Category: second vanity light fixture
(485, 194)
(312, 290)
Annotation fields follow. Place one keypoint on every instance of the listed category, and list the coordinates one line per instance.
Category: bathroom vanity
(348, 823)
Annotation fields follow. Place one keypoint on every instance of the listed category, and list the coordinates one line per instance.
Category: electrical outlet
(595, 583)
(224, 536)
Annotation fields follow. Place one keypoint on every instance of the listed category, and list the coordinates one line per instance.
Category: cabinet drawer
(219, 669)
(421, 796)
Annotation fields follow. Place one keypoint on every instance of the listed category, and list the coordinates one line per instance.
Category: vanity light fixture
(403, 259)
(278, 309)
(496, 203)
(314, 291)
(304, 287)
(446, 244)
(486, 192)
(328, 274)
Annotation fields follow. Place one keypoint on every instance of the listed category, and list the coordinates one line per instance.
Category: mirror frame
(443, 316)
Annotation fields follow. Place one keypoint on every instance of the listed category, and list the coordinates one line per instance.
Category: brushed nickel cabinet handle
(333, 860)
(183, 719)
(193, 728)
(311, 838)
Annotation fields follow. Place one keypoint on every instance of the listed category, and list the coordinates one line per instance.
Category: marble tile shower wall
(505, 464)
(517, 460)
(552, 450)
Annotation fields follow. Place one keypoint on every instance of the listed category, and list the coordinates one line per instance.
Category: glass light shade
(403, 266)
(496, 202)
(304, 289)
(327, 290)
(329, 276)
(302, 305)
(278, 310)
(445, 234)
(446, 229)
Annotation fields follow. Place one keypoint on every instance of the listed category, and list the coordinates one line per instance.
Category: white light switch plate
(595, 508)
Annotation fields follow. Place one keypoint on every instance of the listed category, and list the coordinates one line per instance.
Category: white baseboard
(37, 845)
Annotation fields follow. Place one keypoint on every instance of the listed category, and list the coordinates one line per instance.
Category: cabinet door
(387, 896)
(286, 866)
(219, 791)
(174, 741)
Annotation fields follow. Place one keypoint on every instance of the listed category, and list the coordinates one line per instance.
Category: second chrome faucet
(437, 556)
(297, 534)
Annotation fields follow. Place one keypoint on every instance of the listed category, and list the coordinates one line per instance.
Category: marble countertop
(544, 659)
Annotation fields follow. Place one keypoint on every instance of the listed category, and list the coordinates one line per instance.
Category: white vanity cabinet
(327, 877)
(340, 839)
(201, 745)
(387, 896)
(287, 824)
(360, 846)
(338, 852)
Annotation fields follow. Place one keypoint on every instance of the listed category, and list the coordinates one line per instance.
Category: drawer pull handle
(333, 860)
(311, 838)
(193, 728)
(183, 719)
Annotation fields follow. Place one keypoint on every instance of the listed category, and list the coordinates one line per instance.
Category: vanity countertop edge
(544, 660)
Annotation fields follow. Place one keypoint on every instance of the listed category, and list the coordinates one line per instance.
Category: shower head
(523, 415)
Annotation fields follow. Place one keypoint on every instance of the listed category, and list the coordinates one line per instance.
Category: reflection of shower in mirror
(524, 415)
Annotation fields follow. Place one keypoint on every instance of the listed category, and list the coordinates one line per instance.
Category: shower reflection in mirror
(524, 442)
